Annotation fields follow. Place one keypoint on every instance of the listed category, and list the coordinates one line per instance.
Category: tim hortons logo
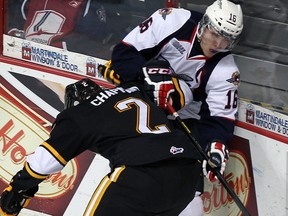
(216, 199)
(20, 134)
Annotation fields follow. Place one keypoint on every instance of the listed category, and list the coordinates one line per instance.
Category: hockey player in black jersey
(154, 168)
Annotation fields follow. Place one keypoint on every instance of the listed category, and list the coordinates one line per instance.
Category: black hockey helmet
(79, 92)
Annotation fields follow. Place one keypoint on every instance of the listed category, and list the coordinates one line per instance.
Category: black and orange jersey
(121, 124)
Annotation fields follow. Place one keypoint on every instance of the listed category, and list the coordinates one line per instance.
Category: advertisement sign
(264, 119)
(23, 126)
(30, 100)
(239, 175)
(53, 57)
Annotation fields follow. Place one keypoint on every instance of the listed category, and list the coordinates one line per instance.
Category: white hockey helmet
(225, 18)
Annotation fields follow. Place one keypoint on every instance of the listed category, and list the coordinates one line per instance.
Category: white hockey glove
(161, 87)
(218, 155)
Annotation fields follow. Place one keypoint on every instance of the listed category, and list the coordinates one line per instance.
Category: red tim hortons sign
(23, 126)
(239, 175)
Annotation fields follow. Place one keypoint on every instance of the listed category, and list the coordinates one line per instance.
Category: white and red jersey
(170, 34)
(48, 21)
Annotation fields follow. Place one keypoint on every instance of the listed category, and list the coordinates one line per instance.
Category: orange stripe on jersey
(99, 192)
(34, 174)
(179, 90)
(54, 153)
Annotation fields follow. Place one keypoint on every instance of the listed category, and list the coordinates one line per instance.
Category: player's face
(211, 42)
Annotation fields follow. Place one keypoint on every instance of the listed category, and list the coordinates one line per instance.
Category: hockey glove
(17, 195)
(109, 74)
(162, 88)
(13, 200)
(155, 66)
(218, 155)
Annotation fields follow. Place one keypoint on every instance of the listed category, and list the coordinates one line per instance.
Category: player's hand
(109, 74)
(218, 155)
(13, 199)
(158, 87)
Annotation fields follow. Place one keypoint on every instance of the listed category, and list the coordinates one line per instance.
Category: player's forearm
(127, 62)
(216, 128)
(26, 179)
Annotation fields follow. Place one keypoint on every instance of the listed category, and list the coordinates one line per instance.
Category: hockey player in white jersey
(197, 49)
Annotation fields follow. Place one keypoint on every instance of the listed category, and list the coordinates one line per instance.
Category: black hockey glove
(218, 155)
(109, 74)
(161, 86)
(13, 199)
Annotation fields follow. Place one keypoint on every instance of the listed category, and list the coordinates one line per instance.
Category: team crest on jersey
(174, 150)
(235, 79)
(164, 12)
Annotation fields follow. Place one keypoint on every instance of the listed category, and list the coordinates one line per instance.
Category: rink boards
(31, 97)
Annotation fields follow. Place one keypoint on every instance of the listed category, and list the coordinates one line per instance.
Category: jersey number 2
(143, 117)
